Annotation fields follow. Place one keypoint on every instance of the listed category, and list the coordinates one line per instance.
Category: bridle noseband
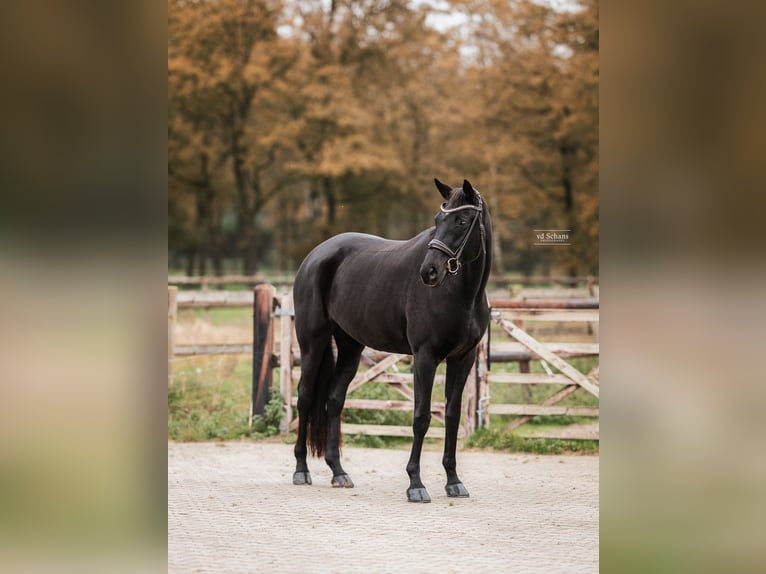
(453, 263)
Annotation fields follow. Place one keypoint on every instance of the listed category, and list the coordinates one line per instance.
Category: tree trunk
(249, 243)
(249, 260)
(191, 254)
(203, 260)
(567, 154)
(217, 261)
(205, 217)
(329, 193)
(497, 250)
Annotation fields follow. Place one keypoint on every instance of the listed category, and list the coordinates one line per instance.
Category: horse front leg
(457, 373)
(424, 371)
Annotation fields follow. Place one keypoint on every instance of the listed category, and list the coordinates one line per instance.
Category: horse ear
(444, 189)
(469, 191)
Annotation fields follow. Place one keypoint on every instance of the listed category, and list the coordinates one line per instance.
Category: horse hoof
(342, 481)
(301, 477)
(456, 490)
(418, 495)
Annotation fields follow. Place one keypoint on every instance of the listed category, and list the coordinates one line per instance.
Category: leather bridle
(453, 263)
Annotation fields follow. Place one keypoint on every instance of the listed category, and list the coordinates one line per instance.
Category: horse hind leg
(349, 353)
(316, 370)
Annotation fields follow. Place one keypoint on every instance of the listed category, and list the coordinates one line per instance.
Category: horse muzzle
(432, 274)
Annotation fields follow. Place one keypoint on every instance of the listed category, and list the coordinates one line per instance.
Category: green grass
(219, 316)
(499, 439)
(211, 401)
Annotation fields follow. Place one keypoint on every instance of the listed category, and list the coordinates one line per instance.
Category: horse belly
(372, 316)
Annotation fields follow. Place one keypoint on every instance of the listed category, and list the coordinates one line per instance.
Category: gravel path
(233, 508)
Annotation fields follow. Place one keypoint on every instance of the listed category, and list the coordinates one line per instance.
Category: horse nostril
(432, 274)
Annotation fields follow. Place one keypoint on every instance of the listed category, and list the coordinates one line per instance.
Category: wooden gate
(511, 315)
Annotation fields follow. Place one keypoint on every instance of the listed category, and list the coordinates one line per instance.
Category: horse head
(459, 220)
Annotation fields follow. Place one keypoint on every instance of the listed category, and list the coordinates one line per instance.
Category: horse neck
(477, 272)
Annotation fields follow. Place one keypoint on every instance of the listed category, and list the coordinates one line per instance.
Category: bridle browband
(453, 263)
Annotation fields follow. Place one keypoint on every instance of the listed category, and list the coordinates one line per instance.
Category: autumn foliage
(291, 121)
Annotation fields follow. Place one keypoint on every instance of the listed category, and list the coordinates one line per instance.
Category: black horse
(424, 297)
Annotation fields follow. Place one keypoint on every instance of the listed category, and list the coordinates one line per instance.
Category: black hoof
(456, 490)
(418, 495)
(301, 477)
(342, 481)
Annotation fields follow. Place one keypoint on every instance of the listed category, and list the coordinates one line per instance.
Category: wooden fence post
(172, 314)
(286, 358)
(263, 346)
(470, 400)
(482, 382)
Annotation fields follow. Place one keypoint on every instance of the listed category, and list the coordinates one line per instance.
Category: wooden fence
(512, 316)
(280, 351)
(207, 281)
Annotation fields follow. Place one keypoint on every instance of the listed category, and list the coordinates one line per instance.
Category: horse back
(360, 283)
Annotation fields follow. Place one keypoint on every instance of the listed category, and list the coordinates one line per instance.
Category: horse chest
(464, 333)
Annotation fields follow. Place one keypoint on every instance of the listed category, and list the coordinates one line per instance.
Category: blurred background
(292, 121)
(85, 246)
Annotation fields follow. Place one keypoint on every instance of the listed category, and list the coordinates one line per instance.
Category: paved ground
(232, 508)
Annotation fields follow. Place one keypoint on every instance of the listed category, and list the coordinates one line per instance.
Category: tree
(224, 60)
(291, 121)
(535, 75)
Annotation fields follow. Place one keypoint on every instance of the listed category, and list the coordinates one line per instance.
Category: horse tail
(317, 419)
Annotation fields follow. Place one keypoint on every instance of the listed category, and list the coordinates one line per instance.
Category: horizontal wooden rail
(512, 409)
(558, 293)
(528, 379)
(383, 404)
(394, 430)
(208, 299)
(216, 280)
(558, 348)
(500, 354)
(499, 304)
(538, 280)
(257, 279)
(561, 315)
(537, 307)
(389, 377)
(510, 352)
(246, 280)
(408, 378)
(213, 349)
